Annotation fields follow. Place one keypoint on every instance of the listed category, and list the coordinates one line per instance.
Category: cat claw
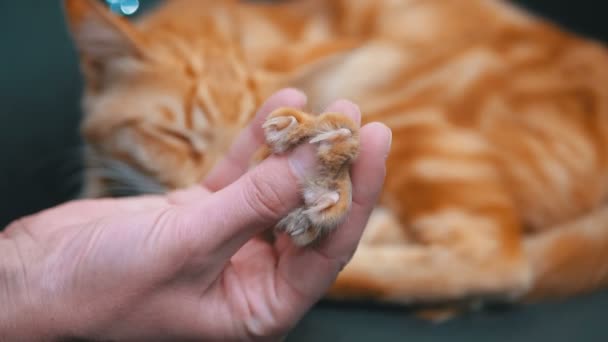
(295, 223)
(278, 132)
(280, 123)
(336, 141)
(298, 231)
(332, 135)
(324, 202)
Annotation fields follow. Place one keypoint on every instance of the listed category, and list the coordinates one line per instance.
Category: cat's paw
(286, 128)
(328, 194)
(323, 211)
(299, 228)
(327, 201)
(337, 138)
(295, 223)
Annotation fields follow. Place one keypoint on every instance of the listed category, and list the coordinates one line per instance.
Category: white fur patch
(324, 202)
(313, 192)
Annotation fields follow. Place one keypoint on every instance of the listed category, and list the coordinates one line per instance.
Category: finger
(368, 176)
(193, 194)
(84, 211)
(226, 220)
(237, 160)
(347, 108)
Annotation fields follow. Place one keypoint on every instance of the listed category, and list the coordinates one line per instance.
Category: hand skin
(186, 266)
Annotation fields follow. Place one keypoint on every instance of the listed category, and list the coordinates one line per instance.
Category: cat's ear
(100, 35)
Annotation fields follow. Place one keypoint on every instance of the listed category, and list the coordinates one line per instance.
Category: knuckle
(170, 227)
(263, 197)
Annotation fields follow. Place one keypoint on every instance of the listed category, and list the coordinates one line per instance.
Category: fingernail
(303, 161)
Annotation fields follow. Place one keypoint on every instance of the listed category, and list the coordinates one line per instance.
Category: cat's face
(159, 111)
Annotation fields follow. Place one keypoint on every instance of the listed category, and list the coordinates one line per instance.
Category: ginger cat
(498, 173)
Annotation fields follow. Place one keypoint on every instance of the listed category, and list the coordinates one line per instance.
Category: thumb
(255, 202)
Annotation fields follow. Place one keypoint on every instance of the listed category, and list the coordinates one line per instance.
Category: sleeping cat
(498, 172)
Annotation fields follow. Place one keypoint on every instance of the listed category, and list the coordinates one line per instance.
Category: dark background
(40, 167)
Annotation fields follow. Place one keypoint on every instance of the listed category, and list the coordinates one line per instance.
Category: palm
(258, 291)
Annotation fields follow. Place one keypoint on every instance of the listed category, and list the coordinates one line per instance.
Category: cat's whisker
(122, 177)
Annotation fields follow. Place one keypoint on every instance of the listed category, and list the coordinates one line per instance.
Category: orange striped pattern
(500, 123)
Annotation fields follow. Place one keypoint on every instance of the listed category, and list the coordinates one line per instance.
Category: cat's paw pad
(285, 128)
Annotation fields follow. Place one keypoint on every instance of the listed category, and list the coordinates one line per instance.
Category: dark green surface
(39, 167)
(577, 320)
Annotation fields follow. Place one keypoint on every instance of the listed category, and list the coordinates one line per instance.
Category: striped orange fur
(497, 177)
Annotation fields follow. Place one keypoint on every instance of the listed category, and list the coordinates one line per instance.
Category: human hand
(188, 265)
